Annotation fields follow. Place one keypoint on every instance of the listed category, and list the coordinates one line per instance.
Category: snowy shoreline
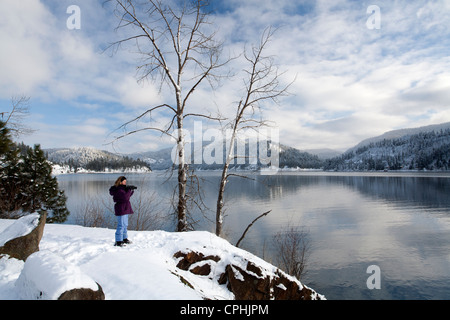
(144, 270)
(65, 170)
(57, 171)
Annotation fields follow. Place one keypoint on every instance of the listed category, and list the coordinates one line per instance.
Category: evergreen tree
(9, 173)
(39, 189)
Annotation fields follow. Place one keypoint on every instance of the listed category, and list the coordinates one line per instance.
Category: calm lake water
(399, 222)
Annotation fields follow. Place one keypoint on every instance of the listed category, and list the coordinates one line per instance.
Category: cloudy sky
(358, 72)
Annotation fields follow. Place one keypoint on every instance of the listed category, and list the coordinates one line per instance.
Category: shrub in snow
(47, 276)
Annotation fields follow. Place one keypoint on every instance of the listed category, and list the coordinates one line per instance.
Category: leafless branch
(250, 225)
(13, 119)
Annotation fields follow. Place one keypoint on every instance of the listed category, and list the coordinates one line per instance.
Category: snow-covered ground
(146, 269)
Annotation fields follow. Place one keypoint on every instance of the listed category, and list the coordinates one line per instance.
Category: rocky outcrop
(25, 234)
(250, 284)
(190, 258)
(247, 281)
(83, 294)
(47, 276)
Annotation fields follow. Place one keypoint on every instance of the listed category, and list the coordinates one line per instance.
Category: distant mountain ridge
(288, 157)
(413, 148)
(395, 134)
(423, 148)
(87, 159)
(78, 156)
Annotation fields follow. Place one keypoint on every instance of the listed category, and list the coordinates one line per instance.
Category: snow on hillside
(80, 156)
(145, 269)
(91, 160)
(395, 134)
(425, 148)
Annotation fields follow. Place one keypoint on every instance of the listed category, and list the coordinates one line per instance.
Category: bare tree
(20, 108)
(147, 215)
(178, 48)
(262, 83)
(91, 213)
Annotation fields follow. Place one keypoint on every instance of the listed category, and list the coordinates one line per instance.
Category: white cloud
(90, 132)
(137, 95)
(351, 82)
(24, 61)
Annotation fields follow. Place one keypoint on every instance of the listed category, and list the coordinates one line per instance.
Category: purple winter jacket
(121, 196)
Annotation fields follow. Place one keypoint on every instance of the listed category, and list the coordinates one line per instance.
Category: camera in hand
(131, 187)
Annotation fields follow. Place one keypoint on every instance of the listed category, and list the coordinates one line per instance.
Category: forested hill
(80, 159)
(288, 158)
(424, 150)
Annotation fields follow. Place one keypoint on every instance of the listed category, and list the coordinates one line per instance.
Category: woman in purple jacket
(121, 196)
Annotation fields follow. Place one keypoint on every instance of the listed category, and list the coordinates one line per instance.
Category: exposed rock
(246, 285)
(22, 246)
(251, 282)
(195, 262)
(286, 289)
(83, 294)
(190, 258)
(201, 270)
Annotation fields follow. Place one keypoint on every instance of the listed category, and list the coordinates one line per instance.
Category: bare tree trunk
(223, 182)
(182, 180)
(220, 201)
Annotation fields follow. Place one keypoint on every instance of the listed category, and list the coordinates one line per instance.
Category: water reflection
(399, 222)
